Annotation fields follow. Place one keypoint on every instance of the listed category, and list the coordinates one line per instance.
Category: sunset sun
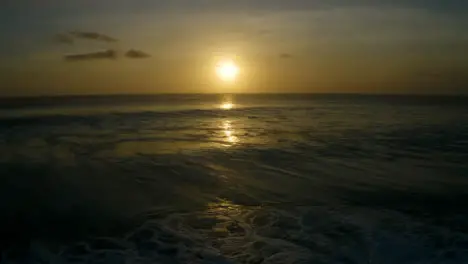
(227, 71)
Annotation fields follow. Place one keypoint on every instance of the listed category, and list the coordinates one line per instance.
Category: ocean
(266, 178)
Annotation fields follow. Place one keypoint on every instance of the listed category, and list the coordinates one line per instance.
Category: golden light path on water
(229, 132)
(226, 125)
(226, 106)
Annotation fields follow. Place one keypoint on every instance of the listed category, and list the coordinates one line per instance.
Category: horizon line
(234, 93)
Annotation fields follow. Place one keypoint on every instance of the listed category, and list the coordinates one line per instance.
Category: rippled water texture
(234, 179)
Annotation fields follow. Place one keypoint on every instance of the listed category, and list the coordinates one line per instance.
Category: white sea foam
(227, 233)
(301, 181)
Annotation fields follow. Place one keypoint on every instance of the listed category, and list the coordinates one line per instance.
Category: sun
(227, 71)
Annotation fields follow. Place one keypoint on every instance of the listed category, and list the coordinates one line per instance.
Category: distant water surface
(234, 179)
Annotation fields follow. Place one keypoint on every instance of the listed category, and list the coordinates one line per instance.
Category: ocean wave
(321, 183)
(229, 233)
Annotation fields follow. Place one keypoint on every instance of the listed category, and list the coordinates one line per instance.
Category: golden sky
(279, 46)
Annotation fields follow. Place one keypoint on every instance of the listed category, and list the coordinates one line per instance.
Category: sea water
(234, 179)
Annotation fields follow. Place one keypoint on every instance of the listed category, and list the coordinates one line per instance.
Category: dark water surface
(234, 179)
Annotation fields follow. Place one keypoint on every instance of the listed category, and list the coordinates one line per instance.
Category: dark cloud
(92, 36)
(63, 38)
(285, 55)
(108, 54)
(136, 54)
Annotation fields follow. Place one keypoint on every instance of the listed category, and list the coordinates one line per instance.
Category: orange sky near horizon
(359, 48)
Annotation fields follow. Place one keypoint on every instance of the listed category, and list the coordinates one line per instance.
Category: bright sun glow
(227, 106)
(227, 70)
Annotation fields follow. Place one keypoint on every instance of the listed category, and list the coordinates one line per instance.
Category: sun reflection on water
(229, 132)
(223, 208)
(226, 106)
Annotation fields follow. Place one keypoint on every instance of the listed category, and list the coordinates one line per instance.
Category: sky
(55, 47)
